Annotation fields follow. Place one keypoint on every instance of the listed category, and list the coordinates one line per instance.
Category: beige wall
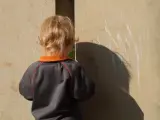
(19, 26)
(130, 27)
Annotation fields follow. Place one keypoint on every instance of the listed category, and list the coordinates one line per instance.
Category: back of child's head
(56, 34)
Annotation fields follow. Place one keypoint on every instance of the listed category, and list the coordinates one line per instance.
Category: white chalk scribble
(109, 33)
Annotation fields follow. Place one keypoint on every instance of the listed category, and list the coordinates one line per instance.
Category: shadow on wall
(112, 100)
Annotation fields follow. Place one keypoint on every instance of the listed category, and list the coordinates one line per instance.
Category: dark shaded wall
(112, 77)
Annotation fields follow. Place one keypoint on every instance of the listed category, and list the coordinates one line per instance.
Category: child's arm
(83, 88)
(25, 85)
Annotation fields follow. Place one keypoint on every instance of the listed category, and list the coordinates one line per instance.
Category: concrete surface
(19, 30)
(131, 28)
(112, 27)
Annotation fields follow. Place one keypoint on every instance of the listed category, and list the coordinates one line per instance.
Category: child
(56, 84)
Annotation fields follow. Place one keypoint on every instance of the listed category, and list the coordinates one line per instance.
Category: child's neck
(46, 53)
(50, 54)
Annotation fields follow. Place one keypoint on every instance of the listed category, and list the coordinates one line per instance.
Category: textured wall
(19, 29)
(131, 28)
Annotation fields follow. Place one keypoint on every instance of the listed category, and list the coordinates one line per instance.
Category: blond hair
(56, 34)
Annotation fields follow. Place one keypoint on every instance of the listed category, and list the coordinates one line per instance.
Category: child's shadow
(112, 100)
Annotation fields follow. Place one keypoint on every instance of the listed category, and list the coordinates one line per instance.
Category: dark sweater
(55, 88)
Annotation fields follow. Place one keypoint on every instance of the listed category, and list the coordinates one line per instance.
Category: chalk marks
(109, 33)
(14, 86)
(123, 44)
(96, 41)
(138, 65)
(6, 64)
(136, 51)
(129, 30)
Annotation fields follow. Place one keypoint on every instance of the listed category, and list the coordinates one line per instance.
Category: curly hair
(56, 34)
